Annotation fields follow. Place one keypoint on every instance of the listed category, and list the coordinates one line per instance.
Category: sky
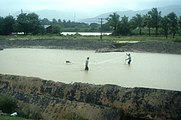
(91, 7)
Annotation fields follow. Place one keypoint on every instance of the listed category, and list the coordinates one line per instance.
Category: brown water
(146, 70)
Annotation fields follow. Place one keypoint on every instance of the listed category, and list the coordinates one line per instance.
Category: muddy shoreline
(54, 100)
(98, 46)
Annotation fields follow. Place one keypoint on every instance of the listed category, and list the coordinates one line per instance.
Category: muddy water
(146, 70)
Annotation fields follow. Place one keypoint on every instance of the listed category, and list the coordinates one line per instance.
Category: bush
(7, 104)
(177, 40)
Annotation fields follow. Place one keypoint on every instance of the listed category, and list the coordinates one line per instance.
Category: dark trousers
(129, 61)
(86, 68)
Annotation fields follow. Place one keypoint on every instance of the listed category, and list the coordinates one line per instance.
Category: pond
(86, 33)
(146, 70)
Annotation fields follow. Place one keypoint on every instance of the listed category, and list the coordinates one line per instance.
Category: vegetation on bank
(162, 25)
(149, 24)
(21, 118)
(8, 104)
(94, 38)
(11, 118)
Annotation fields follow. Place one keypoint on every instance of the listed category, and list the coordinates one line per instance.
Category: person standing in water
(86, 64)
(128, 58)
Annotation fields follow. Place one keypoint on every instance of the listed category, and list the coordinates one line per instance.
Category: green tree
(45, 21)
(22, 23)
(106, 27)
(173, 23)
(124, 27)
(179, 25)
(33, 23)
(28, 23)
(155, 19)
(94, 27)
(147, 22)
(138, 22)
(1, 25)
(56, 29)
(54, 21)
(7, 26)
(113, 21)
(165, 25)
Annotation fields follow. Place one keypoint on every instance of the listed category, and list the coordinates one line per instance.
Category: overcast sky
(87, 6)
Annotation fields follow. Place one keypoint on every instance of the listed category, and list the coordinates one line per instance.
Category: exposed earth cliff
(55, 100)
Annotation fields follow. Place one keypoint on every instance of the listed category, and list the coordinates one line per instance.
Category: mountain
(80, 16)
(50, 14)
(130, 13)
(63, 15)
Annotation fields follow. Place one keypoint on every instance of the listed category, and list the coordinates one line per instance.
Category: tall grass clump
(7, 104)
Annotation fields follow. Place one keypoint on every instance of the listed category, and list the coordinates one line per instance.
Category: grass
(20, 118)
(11, 118)
(39, 37)
(97, 38)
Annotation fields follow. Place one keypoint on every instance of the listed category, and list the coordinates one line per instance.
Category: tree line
(32, 24)
(166, 25)
(152, 24)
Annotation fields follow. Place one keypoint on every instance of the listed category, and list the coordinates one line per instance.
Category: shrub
(7, 104)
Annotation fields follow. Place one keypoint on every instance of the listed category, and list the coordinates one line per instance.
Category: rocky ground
(99, 46)
(55, 100)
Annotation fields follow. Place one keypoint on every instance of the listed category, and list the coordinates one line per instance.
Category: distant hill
(50, 14)
(84, 17)
(130, 13)
(63, 15)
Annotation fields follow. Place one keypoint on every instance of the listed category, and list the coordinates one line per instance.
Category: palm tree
(147, 22)
(124, 27)
(165, 25)
(155, 19)
(113, 21)
(179, 25)
(173, 23)
(138, 21)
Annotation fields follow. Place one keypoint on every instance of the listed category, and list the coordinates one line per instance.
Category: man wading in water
(128, 58)
(86, 64)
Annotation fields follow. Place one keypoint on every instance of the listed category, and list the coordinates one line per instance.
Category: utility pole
(21, 11)
(74, 16)
(101, 29)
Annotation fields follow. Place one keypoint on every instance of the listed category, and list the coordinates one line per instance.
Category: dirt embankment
(55, 100)
(153, 47)
(56, 44)
(99, 46)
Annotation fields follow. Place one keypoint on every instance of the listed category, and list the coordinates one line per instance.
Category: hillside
(130, 13)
